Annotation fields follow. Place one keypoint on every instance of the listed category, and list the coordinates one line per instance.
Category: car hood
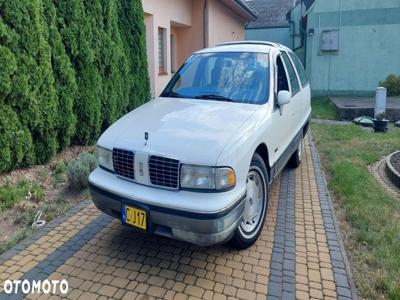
(193, 131)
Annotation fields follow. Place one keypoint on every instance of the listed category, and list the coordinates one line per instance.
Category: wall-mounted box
(329, 40)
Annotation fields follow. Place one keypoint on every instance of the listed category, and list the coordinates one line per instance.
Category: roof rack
(251, 42)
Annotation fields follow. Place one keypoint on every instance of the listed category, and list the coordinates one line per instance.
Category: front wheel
(256, 204)
(295, 160)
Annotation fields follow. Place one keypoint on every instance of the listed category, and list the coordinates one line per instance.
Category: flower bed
(393, 167)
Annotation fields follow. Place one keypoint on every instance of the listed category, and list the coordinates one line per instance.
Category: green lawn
(322, 108)
(373, 243)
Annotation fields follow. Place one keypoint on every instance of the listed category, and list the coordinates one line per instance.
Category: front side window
(294, 83)
(226, 76)
(282, 82)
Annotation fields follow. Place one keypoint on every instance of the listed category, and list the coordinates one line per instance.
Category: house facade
(346, 46)
(351, 45)
(177, 28)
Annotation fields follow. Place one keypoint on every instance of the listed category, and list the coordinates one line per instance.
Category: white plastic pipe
(380, 100)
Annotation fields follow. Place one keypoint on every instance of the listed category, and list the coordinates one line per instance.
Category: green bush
(68, 70)
(392, 84)
(37, 193)
(78, 171)
(59, 168)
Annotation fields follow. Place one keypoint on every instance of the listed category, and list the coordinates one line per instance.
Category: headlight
(105, 158)
(207, 178)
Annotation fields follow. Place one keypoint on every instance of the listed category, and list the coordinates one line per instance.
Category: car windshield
(223, 76)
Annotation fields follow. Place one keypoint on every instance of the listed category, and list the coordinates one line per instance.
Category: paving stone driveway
(298, 255)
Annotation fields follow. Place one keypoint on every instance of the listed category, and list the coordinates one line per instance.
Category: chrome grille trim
(124, 163)
(164, 171)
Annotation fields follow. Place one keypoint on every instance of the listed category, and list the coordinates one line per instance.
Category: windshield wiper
(215, 97)
(172, 95)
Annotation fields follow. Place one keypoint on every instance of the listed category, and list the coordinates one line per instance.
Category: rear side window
(294, 83)
(299, 67)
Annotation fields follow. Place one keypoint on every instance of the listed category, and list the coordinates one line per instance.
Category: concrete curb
(392, 173)
(323, 190)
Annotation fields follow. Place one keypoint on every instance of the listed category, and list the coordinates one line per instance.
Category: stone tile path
(299, 254)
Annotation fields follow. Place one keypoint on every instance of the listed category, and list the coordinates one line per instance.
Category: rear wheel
(256, 204)
(295, 160)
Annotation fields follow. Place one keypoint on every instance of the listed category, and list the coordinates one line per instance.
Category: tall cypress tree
(15, 140)
(64, 74)
(77, 36)
(115, 67)
(32, 97)
(63, 63)
(133, 34)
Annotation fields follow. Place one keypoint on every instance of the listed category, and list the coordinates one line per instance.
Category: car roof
(245, 46)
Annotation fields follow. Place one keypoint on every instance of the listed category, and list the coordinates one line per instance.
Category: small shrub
(60, 168)
(10, 194)
(37, 193)
(88, 159)
(58, 175)
(392, 84)
(26, 216)
(79, 169)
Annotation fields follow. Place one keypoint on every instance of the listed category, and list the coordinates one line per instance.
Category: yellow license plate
(136, 217)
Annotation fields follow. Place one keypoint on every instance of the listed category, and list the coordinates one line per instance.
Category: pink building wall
(185, 20)
(224, 24)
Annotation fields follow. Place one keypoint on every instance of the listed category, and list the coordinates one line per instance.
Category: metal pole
(380, 100)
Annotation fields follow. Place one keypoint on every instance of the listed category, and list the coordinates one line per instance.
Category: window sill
(162, 73)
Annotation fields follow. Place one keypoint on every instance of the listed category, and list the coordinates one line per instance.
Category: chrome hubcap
(254, 202)
(300, 149)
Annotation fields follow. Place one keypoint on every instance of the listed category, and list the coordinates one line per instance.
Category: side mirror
(284, 97)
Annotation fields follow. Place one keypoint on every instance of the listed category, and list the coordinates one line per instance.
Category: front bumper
(201, 228)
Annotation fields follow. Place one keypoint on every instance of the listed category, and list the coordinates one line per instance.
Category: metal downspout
(205, 21)
(293, 29)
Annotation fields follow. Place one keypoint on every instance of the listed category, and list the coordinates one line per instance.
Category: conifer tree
(77, 36)
(32, 97)
(64, 75)
(68, 69)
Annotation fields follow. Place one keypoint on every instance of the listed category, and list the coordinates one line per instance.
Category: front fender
(240, 149)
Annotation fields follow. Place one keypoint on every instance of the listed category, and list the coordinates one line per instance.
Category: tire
(295, 160)
(252, 222)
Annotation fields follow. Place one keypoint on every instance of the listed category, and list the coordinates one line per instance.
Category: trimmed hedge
(68, 69)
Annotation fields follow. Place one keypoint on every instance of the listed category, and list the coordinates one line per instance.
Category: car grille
(164, 171)
(124, 162)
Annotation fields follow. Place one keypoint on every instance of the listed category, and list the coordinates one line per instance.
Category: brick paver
(299, 254)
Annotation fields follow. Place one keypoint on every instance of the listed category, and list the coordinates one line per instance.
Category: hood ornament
(146, 137)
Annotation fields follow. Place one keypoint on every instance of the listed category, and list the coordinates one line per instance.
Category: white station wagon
(195, 163)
